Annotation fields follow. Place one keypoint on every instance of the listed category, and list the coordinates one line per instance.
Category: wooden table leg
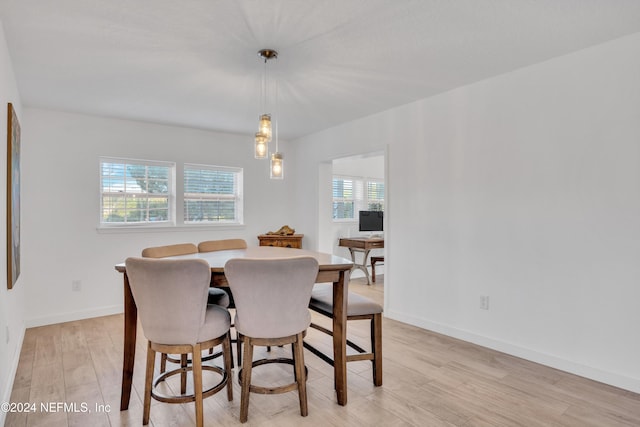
(129, 353)
(340, 291)
(363, 266)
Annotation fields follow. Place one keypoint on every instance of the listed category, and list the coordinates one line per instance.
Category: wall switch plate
(7, 332)
(484, 302)
(76, 285)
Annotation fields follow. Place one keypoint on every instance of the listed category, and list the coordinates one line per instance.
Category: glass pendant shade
(277, 167)
(261, 147)
(264, 127)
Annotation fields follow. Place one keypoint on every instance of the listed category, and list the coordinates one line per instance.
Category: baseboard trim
(13, 368)
(606, 377)
(74, 315)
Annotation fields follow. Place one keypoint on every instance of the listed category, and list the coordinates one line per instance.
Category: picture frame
(13, 197)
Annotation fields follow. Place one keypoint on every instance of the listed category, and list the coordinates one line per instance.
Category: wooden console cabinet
(290, 241)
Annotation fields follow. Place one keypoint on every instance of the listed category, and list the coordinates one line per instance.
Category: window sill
(166, 228)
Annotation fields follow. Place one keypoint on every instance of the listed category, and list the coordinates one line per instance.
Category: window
(136, 192)
(374, 196)
(353, 194)
(212, 194)
(343, 199)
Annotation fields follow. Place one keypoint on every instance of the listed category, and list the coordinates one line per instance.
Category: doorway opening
(358, 184)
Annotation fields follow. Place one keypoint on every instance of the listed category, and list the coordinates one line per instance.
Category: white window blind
(135, 192)
(212, 194)
(343, 198)
(374, 195)
(354, 194)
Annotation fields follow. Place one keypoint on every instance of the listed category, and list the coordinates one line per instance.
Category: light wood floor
(429, 380)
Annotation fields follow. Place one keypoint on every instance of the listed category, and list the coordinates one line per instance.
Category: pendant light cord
(277, 113)
(264, 89)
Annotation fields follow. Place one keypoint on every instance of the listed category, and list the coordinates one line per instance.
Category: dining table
(332, 269)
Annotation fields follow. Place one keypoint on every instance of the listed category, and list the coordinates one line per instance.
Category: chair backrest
(271, 295)
(170, 250)
(221, 245)
(171, 296)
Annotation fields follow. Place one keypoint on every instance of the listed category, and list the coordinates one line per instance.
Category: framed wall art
(13, 197)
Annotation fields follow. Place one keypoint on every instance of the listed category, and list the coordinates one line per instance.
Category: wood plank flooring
(429, 380)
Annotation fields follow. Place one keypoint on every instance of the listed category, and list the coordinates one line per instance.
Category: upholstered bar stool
(215, 296)
(179, 287)
(358, 308)
(224, 245)
(272, 298)
(221, 245)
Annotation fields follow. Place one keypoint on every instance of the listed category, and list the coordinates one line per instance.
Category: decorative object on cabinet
(285, 230)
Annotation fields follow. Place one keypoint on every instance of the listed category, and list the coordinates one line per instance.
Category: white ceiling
(194, 63)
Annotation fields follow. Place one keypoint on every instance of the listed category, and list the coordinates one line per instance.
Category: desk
(331, 269)
(364, 245)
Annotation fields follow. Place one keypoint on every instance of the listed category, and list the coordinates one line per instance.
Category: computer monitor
(371, 221)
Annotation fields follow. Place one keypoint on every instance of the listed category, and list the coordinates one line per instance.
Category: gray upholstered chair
(358, 308)
(179, 287)
(216, 295)
(222, 245)
(272, 298)
(225, 245)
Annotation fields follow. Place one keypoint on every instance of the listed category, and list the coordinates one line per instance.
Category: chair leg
(233, 363)
(183, 374)
(293, 357)
(197, 383)
(151, 360)
(163, 363)
(246, 379)
(373, 271)
(376, 348)
(239, 348)
(301, 379)
(228, 364)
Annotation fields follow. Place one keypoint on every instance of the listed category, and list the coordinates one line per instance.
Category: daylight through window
(212, 194)
(354, 194)
(135, 192)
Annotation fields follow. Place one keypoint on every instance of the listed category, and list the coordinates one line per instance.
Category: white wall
(61, 205)
(12, 311)
(526, 188)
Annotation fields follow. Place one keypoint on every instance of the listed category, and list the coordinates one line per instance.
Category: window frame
(171, 194)
(342, 199)
(238, 195)
(361, 199)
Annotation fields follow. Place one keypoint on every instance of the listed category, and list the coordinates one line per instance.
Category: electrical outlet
(484, 302)
(76, 285)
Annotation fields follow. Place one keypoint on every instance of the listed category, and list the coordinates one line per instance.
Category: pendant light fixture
(277, 159)
(263, 136)
(277, 166)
